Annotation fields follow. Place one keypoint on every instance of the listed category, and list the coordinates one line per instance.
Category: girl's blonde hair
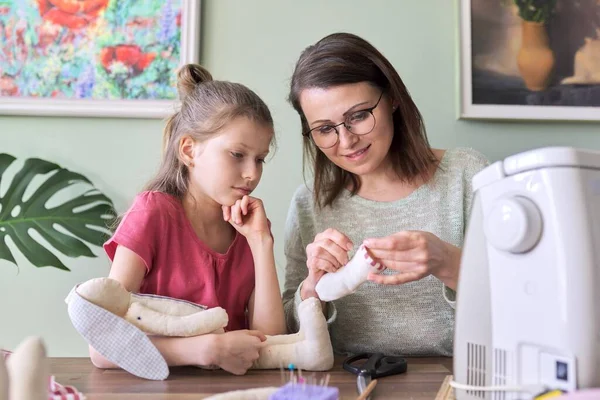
(206, 107)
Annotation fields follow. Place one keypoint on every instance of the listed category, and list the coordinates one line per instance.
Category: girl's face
(230, 165)
(364, 151)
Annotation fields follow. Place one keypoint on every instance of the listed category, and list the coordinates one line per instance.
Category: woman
(377, 182)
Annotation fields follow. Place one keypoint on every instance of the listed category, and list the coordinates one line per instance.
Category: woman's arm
(265, 308)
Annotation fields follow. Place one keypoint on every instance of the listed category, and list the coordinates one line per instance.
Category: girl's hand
(415, 255)
(235, 351)
(247, 215)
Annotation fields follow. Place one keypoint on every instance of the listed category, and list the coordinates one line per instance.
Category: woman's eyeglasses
(358, 122)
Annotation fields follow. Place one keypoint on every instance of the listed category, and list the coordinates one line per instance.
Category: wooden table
(421, 382)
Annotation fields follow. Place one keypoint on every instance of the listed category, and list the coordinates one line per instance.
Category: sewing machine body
(528, 301)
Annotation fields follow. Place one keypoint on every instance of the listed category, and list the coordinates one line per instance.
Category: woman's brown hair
(344, 58)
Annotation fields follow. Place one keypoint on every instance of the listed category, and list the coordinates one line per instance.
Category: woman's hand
(327, 253)
(247, 215)
(415, 255)
(235, 351)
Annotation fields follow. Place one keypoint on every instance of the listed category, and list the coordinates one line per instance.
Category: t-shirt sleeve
(140, 229)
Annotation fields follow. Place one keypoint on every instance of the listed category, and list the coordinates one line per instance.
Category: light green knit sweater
(411, 319)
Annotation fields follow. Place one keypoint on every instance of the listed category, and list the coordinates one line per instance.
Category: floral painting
(530, 59)
(90, 50)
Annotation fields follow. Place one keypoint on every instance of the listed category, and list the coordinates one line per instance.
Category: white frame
(190, 50)
(468, 110)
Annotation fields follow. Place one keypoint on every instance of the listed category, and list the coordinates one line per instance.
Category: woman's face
(364, 151)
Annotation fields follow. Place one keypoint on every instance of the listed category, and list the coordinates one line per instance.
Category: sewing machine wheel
(514, 224)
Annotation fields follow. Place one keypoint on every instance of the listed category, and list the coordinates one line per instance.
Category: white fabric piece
(345, 281)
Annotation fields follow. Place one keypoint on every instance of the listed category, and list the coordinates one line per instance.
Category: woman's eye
(358, 116)
(325, 129)
(261, 160)
(237, 155)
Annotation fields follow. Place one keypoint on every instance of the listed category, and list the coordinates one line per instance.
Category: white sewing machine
(528, 302)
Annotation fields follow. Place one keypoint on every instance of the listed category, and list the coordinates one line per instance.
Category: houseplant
(535, 58)
(85, 217)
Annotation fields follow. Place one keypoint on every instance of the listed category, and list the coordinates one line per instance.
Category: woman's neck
(384, 184)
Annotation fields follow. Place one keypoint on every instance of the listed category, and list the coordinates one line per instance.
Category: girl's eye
(237, 155)
(261, 160)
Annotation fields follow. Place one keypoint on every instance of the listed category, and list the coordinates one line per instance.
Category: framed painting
(98, 58)
(530, 59)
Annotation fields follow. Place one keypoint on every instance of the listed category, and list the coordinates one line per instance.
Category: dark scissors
(373, 366)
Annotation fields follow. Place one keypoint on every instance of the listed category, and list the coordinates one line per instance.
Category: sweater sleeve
(474, 163)
(299, 232)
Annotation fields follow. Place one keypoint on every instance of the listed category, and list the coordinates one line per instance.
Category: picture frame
(496, 41)
(115, 58)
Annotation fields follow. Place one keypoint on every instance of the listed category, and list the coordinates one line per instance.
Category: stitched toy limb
(310, 349)
(157, 323)
(166, 305)
(157, 315)
(347, 279)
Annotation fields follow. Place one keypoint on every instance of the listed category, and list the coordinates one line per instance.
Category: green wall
(256, 43)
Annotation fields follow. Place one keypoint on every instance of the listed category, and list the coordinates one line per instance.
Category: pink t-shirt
(179, 264)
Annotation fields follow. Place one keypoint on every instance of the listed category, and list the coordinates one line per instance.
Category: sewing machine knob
(514, 224)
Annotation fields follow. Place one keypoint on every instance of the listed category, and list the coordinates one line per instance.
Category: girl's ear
(186, 150)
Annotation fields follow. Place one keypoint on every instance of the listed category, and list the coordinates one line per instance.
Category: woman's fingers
(396, 279)
(316, 263)
(334, 249)
(389, 257)
(337, 237)
(329, 251)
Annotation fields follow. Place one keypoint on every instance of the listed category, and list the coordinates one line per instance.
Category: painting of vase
(530, 59)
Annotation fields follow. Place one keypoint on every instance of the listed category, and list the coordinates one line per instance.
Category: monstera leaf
(85, 216)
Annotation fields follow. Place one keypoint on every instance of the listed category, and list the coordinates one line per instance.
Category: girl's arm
(265, 308)
(129, 269)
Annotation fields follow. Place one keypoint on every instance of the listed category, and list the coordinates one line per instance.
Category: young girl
(196, 234)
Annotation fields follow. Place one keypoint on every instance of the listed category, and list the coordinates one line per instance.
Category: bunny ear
(119, 341)
(3, 379)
